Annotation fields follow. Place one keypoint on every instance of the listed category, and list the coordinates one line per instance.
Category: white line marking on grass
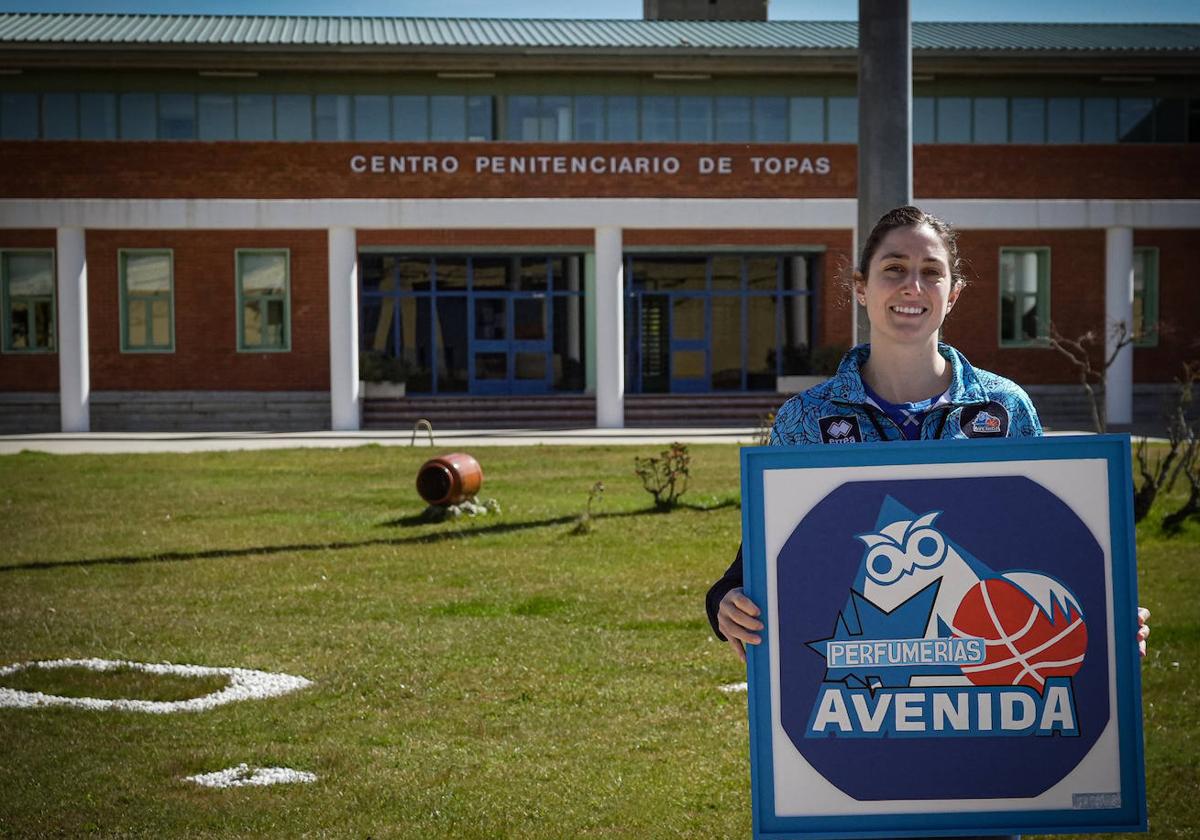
(244, 684)
(245, 776)
(733, 688)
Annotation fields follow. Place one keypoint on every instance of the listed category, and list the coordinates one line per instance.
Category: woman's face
(909, 288)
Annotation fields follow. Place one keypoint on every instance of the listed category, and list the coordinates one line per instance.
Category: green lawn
(495, 677)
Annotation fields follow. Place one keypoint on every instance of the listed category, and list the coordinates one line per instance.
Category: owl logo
(909, 555)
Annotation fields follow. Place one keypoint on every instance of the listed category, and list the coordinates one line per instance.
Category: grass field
(494, 677)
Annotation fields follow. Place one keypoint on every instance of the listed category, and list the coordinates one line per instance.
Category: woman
(904, 385)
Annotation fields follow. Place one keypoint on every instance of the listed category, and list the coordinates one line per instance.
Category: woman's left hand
(1143, 629)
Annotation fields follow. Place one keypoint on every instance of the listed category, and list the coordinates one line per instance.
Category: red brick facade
(72, 169)
(1178, 305)
(1076, 299)
(206, 355)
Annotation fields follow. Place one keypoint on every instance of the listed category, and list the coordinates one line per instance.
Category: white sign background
(789, 494)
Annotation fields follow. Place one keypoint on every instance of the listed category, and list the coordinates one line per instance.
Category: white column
(1118, 309)
(610, 329)
(343, 329)
(74, 381)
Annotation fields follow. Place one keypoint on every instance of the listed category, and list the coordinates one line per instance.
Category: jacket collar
(846, 386)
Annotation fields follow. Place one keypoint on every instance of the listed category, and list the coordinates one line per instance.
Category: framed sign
(950, 638)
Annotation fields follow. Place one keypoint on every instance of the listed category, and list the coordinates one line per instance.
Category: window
(447, 118)
(542, 117)
(139, 120)
(733, 119)
(659, 118)
(1145, 297)
(410, 118)
(695, 118)
(371, 118)
(589, 118)
(1135, 120)
(1170, 120)
(98, 116)
(60, 116)
(555, 118)
(522, 122)
(333, 116)
(807, 119)
(18, 116)
(293, 116)
(479, 118)
(770, 119)
(843, 119)
(1024, 296)
(147, 301)
(216, 116)
(991, 119)
(255, 116)
(922, 119)
(1099, 120)
(622, 118)
(177, 116)
(1028, 119)
(954, 119)
(263, 310)
(27, 283)
(1063, 119)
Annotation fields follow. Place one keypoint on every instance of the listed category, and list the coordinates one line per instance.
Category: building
(219, 222)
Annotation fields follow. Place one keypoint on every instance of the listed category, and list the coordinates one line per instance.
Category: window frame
(1150, 293)
(125, 299)
(5, 298)
(1042, 339)
(241, 297)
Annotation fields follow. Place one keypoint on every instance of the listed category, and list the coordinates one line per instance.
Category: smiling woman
(904, 385)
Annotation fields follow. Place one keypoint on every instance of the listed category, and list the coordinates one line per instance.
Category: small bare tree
(1078, 352)
(1181, 451)
(1172, 522)
(1189, 463)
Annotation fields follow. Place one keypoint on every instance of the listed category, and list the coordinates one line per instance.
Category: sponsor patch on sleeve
(983, 421)
(840, 429)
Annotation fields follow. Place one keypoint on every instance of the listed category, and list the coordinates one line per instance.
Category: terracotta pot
(449, 479)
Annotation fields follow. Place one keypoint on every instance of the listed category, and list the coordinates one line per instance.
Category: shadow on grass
(267, 550)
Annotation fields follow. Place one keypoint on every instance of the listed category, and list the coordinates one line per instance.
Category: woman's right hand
(737, 619)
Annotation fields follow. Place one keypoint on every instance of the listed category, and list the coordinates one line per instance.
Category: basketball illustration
(1027, 639)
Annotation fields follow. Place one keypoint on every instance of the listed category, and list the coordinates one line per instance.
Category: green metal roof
(516, 33)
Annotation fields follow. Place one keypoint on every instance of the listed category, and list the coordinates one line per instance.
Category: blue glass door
(530, 351)
(510, 343)
(690, 345)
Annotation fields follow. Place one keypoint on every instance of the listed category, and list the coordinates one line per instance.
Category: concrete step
(569, 411)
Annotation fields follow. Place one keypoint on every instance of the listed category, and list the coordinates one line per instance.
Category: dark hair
(905, 217)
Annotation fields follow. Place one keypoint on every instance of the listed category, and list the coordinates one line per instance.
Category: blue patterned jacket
(978, 404)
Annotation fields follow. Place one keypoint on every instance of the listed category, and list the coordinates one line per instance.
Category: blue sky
(1153, 11)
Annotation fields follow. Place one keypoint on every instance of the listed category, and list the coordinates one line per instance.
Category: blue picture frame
(923, 765)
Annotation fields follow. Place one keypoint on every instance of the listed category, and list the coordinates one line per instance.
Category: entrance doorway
(720, 322)
(480, 324)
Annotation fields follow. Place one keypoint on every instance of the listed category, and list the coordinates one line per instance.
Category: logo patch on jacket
(988, 420)
(840, 429)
